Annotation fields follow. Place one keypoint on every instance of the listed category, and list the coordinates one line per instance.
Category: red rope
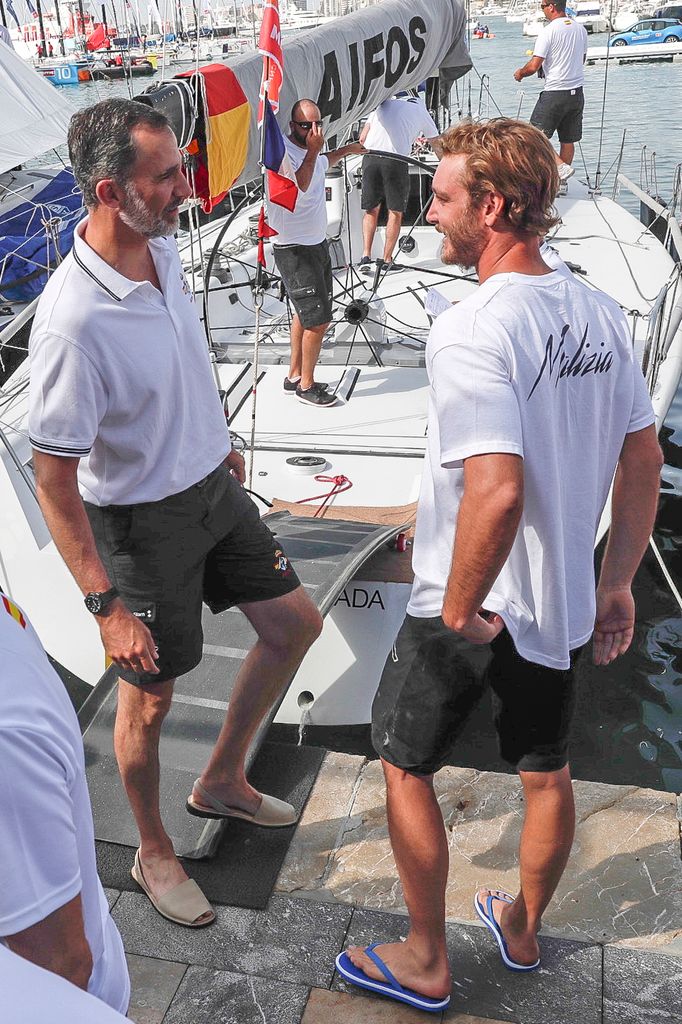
(341, 483)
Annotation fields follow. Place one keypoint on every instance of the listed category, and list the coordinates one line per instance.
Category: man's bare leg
(566, 152)
(546, 841)
(312, 343)
(370, 220)
(296, 356)
(393, 225)
(286, 626)
(420, 848)
(139, 717)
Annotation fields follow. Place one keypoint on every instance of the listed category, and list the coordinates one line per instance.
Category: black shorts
(562, 112)
(385, 179)
(306, 271)
(206, 544)
(434, 679)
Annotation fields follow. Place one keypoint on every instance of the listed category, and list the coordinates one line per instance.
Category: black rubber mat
(327, 554)
(245, 867)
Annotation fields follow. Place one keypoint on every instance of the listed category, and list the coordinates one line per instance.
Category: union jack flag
(10, 7)
(270, 45)
(32, 9)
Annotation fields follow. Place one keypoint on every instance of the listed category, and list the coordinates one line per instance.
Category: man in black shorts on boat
(392, 128)
(301, 250)
(521, 454)
(559, 55)
(141, 489)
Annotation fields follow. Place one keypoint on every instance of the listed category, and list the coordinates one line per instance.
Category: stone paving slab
(292, 940)
(565, 989)
(641, 987)
(623, 883)
(321, 825)
(356, 1008)
(222, 997)
(112, 895)
(153, 985)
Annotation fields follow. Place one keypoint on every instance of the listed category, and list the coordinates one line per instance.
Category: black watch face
(93, 602)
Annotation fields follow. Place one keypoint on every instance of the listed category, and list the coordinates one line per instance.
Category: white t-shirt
(395, 124)
(307, 225)
(540, 367)
(32, 995)
(562, 44)
(121, 378)
(47, 842)
(5, 37)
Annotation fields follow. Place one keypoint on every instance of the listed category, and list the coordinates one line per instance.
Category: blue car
(653, 30)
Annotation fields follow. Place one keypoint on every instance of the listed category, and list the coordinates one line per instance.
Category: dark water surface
(628, 725)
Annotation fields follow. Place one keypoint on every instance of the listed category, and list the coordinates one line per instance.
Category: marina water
(628, 726)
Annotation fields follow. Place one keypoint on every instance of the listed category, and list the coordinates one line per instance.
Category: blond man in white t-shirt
(535, 403)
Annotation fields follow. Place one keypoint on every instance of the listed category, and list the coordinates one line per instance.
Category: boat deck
(611, 945)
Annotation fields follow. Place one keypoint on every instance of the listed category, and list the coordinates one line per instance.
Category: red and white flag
(270, 45)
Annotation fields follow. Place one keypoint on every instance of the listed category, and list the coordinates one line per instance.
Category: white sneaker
(565, 171)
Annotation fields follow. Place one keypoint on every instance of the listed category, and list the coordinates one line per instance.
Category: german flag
(227, 116)
(13, 610)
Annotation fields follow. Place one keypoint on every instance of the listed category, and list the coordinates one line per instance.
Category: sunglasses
(308, 124)
(546, 5)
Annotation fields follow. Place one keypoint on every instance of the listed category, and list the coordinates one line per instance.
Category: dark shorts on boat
(385, 179)
(433, 680)
(205, 544)
(306, 271)
(560, 111)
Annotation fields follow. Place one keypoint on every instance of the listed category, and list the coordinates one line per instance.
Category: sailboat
(368, 450)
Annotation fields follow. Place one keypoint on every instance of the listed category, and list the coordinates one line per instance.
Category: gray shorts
(306, 271)
(560, 111)
(387, 180)
(205, 544)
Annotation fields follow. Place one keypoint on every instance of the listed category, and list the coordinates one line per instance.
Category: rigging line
(487, 89)
(603, 101)
(669, 580)
(622, 252)
(395, 330)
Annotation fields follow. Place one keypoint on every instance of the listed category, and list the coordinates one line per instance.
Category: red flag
(270, 45)
(264, 231)
(97, 39)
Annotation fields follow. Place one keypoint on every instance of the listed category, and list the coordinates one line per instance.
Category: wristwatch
(97, 602)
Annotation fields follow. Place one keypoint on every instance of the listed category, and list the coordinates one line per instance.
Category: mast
(59, 25)
(43, 41)
(82, 17)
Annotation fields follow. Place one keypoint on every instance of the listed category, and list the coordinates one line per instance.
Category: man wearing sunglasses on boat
(301, 250)
(559, 56)
(536, 404)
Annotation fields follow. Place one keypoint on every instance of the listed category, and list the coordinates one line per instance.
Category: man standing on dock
(140, 487)
(301, 250)
(536, 401)
(559, 56)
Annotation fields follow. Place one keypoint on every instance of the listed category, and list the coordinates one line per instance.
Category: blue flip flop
(391, 987)
(486, 915)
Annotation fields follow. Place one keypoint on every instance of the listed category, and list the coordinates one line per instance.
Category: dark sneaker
(290, 386)
(316, 395)
(387, 268)
(365, 266)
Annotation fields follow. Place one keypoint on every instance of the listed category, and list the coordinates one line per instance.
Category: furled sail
(350, 65)
(35, 117)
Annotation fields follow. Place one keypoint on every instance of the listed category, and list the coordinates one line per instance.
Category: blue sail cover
(27, 248)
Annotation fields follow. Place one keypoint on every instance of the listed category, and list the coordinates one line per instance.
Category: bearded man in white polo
(140, 487)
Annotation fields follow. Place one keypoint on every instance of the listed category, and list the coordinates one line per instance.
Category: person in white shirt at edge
(141, 489)
(53, 910)
(559, 54)
(535, 402)
(5, 37)
(392, 128)
(31, 995)
(301, 250)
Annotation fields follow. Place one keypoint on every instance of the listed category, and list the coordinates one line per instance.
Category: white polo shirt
(539, 367)
(121, 378)
(47, 842)
(307, 225)
(562, 44)
(395, 124)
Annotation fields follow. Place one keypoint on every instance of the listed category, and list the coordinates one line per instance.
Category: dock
(611, 942)
(667, 53)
